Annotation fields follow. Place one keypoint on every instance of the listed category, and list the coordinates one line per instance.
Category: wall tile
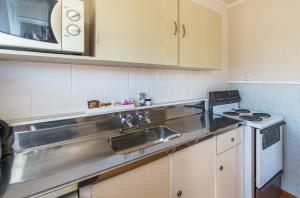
(44, 104)
(27, 78)
(15, 106)
(167, 94)
(88, 79)
(175, 78)
(147, 78)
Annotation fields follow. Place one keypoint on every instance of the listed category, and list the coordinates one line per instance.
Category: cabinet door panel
(193, 171)
(230, 173)
(148, 181)
(140, 31)
(201, 47)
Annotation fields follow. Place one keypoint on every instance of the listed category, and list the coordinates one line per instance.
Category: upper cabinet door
(201, 36)
(139, 31)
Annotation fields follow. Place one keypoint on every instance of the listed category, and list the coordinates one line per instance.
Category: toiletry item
(148, 101)
(93, 104)
(142, 99)
(104, 104)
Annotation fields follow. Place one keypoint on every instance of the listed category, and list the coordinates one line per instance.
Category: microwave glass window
(28, 19)
(270, 137)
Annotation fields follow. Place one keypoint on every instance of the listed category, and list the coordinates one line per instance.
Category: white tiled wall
(39, 89)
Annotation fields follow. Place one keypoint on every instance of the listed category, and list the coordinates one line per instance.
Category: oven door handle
(272, 127)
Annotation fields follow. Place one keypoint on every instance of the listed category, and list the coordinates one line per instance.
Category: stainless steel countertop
(30, 173)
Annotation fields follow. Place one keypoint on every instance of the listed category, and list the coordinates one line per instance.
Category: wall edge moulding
(266, 82)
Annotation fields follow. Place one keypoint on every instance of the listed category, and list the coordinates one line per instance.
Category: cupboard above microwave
(42, 25)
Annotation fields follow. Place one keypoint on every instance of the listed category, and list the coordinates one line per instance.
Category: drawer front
(229, 140)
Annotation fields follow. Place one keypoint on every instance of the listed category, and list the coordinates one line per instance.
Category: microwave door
(34, 24)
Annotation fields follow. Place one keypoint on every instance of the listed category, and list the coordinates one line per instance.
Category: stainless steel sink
(142, 139)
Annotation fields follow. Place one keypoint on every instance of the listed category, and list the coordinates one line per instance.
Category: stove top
(231, 113)
(245, 114)
(251, 118)
(262, 115)
(242, 110)
(226, 103)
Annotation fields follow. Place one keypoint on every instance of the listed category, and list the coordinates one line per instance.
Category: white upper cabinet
(179, 33)
(138, 31)
(201, 36)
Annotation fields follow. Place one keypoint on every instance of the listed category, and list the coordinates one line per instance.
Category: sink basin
(142, 139)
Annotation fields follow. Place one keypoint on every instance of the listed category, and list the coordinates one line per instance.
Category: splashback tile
(15, 106)
(27, 78)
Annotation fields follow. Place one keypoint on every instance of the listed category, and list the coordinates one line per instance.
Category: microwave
(42, 25)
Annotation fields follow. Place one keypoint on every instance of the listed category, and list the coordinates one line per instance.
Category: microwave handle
(272, 127)
(56, 19)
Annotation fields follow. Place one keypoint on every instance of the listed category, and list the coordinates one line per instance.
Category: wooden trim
(285, 194)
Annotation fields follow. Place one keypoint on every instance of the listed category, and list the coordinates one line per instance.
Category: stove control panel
(223, 97)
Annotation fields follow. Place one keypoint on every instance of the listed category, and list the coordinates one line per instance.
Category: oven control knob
(73, 30)
(73, 15)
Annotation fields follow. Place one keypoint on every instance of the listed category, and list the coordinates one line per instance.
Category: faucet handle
(129, 117)
(126, 118)
(122, 118)
(147, 116)
(140, 116)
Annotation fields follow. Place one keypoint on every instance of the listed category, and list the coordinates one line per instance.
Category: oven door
(34, 24)
(269, 155)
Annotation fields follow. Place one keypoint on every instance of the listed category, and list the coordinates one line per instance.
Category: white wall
(36, 89)
(265, 40)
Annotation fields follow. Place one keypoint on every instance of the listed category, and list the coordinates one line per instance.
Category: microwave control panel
(73, 25)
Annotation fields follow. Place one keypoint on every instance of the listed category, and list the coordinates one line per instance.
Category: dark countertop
(30, 173)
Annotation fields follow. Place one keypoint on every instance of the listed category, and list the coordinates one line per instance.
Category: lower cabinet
(194, 171)
(149, 181)
(229, 168)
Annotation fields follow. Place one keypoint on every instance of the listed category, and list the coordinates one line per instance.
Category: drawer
(229, 140)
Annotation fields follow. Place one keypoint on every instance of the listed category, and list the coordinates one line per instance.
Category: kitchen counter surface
(34, 172)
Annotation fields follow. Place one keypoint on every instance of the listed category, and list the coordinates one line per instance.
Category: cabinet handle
(176, 28)
(179, 193)
(221, 168)
(232, 139)
(183, 31)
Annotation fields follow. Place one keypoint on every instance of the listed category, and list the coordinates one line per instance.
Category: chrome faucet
(144, 116)
(126, 118)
